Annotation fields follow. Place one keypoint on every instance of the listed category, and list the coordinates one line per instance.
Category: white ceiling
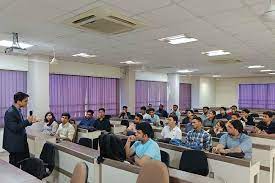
(232, 25)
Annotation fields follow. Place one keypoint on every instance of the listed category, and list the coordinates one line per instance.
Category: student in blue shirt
(144, 148)
(152, 116)
(88, 121)
(235, 141)
(223, 114)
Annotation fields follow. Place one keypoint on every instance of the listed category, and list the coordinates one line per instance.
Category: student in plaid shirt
(198, 138)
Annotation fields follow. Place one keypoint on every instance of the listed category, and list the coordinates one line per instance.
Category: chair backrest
(165, 158)
(86, 142)
(125, 122)
(47, 155)
(80, 173)
(75, 133)
(153, 172)
(194, 161)
(34, 166)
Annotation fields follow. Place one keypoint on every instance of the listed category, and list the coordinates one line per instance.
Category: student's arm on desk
(129, 152)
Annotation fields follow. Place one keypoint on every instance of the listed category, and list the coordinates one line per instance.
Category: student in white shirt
(171, 131)
(143, 112)
(65, 130)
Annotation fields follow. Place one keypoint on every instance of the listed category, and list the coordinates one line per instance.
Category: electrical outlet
(211, 174)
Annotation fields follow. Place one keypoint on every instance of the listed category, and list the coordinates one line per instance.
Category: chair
(80, 173)
(47, 155)
(194, 161)
(86, 142)
(75, 133)
(125, 123)
(153, 172)
(165, 158)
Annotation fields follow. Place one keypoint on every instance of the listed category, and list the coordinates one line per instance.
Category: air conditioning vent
(104, 20)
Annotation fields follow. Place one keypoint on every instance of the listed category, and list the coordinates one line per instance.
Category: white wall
(207, 92)
(227, 88)
(151, 76)
(8, 62)
(83, 69)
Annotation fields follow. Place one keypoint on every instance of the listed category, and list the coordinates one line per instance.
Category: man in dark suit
(15, 137)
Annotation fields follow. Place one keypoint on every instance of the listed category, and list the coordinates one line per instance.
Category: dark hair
(90, 111)
(151, 109)
(206, 108)
(139, 116)
(125, 107)
(213, 112)
(143, 108)
(146, 128)
(236, 114)
(269, 114)
(197, 118)
(19, 96)
(224, 108)
(237, 124)
(234, 106)
(175, 118)
(190, 111)
(223, 125)
(101, 109)
(72, 121)
(66, 114)
(52, 120)
(246, 111)
(176, 105)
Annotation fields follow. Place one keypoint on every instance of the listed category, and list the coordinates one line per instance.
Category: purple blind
(185, 96)
(150, 92)
(76, 94)
(10, 83)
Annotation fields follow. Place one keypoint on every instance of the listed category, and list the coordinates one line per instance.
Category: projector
(15, 51)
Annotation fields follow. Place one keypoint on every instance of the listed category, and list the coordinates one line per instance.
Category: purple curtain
(150, 92)
(271, 96)
(10, 83)
(185, 96)
(76, 94)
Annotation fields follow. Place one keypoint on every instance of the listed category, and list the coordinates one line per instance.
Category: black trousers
(16, 157)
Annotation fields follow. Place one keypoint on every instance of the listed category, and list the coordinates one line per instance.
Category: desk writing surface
(12, 174)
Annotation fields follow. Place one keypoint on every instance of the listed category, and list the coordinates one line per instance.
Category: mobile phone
(31, 112)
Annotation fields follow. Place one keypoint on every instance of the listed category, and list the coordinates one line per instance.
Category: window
(150, 92)
(257, 96)
(185, 96)
(10, 83)
(76, 94)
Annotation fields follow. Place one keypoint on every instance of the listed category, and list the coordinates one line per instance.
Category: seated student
(102, 123)
(219, 129)
(175, 111)
(88, 121)
(144, 149)
(247, 118)
(235, 141)
(152, 116)
(162, 112)
(189, 117)
(205, 111)
(171, 131)
(65, 130)
(236, 116)
(125, 114)
(50, 127)
(233, 110)
(198, 138)
(211, 119)
(223, 114)
(132, 126)
(267, 126)
(143, 112)
(149, 107)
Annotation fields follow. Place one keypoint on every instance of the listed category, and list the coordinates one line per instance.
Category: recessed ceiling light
(6, 43)
(215, 53)
(179, 39)
(216, 76)
(267, 70)
(187, 70)
(255, 66)
(85, 55)
(272, 73)
(130, 62)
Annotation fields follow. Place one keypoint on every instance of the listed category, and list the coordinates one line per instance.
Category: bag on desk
(111, 147)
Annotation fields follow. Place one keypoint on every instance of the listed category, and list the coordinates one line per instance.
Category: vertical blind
(76, 94)
(185, 96)
(257, 96)
(150, 92)
(10, 83)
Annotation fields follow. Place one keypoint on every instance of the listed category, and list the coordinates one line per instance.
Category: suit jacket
(15, 137)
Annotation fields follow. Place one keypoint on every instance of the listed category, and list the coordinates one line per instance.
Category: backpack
(34, 166)
(112, 147)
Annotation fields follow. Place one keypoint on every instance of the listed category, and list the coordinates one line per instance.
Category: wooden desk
(84, 133)
(12, 174)
(118, 129)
